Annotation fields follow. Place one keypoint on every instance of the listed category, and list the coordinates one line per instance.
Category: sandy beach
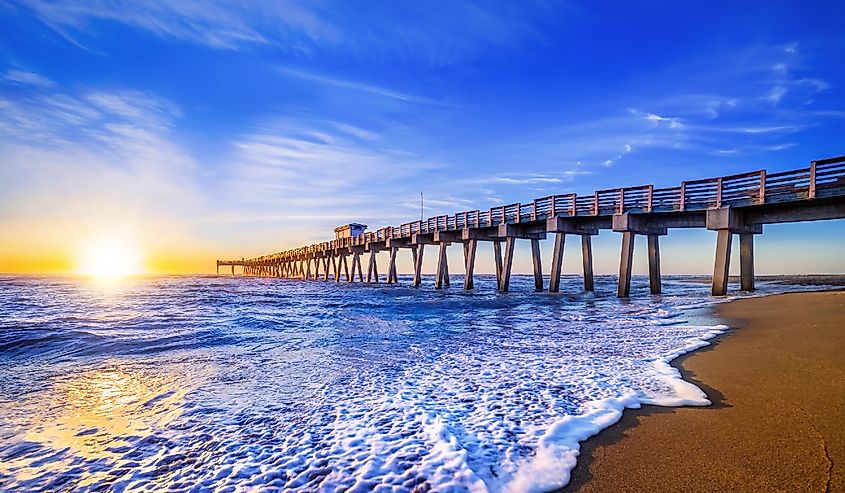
(777, 423)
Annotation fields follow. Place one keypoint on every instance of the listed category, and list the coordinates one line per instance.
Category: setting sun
(110, 259)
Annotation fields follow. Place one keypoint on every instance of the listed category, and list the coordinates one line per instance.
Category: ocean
(211, 383)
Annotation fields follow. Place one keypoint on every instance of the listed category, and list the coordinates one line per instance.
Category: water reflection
(92, 416)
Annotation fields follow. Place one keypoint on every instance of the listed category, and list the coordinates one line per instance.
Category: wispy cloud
(26, 78)
(356, 86)
(317, 170)
(225, 25)
(441, 33)
(95, 159)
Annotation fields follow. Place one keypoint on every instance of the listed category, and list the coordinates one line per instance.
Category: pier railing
(823, 178)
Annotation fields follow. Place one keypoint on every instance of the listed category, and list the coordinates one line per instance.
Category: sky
(193, 130)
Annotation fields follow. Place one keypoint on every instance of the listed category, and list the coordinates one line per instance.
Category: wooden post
(360, 273)
(625, 264)
(326, 267)
(746, 261)
(557, 263)
(811, 193)
(337, 266)
(441, 266)
(507, 263)
(346, 267)
(587, 261)
(497, 257)
(392, 278)
(538, 268)
(721, 269)
(307, 269)
(469, 263)
(719, 192)
(233, 269)
(654, 264)
(355, 260)
(446, 281)
(371, 268)
(418, 260)
(218, 268)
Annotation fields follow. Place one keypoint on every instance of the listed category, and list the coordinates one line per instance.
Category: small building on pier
(349, 230)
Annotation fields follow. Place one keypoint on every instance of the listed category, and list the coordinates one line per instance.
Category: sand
(777, 422)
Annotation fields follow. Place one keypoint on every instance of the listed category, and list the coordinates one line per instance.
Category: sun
(110, 259)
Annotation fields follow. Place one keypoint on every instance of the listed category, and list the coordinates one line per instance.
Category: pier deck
(729, 205)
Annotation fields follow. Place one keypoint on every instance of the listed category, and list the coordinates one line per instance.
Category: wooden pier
(729, 205)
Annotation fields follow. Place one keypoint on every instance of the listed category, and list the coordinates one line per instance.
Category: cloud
(26, 78)
(776, 95)
(318, 169)
(672, 122)
(440, 33)
(94, 157)
(357, 86)
(223, 25)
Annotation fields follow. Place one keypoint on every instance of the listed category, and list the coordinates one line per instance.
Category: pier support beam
(392, 277)
(538, 267)
(418, 260)
(356, 267)
(372, 268)
(727, 222)
(497, 257)
(469, 263)
(722, 266)
(625, 263)
(507, 263)
(557, 263)
(654, 281)
(587, 261)
(442, 269)
(746, 261)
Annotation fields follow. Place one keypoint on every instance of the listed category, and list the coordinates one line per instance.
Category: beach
(777, 419)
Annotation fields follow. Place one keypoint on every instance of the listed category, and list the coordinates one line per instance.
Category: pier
(728, 205)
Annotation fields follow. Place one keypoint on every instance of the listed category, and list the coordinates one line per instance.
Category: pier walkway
(729, 205)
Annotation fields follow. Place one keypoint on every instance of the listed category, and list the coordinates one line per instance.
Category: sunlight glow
(110, 259)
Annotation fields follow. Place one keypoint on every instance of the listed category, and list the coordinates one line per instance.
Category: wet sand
(777, 422)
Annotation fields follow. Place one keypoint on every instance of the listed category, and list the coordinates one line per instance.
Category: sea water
(233, 384)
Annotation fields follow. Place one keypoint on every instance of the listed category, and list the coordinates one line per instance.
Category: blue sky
(205, 130)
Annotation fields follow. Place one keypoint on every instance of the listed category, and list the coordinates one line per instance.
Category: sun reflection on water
(95, 415)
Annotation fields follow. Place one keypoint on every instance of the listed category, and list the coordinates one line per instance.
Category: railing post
(574, 207)
(719, 192)
(811, 194)
(596, 204)
(683, 196)
(519, 212)
(650, 194)
(762, 186)
(621, 208)
(552, 210)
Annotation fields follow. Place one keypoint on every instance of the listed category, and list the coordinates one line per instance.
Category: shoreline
(778, 405)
